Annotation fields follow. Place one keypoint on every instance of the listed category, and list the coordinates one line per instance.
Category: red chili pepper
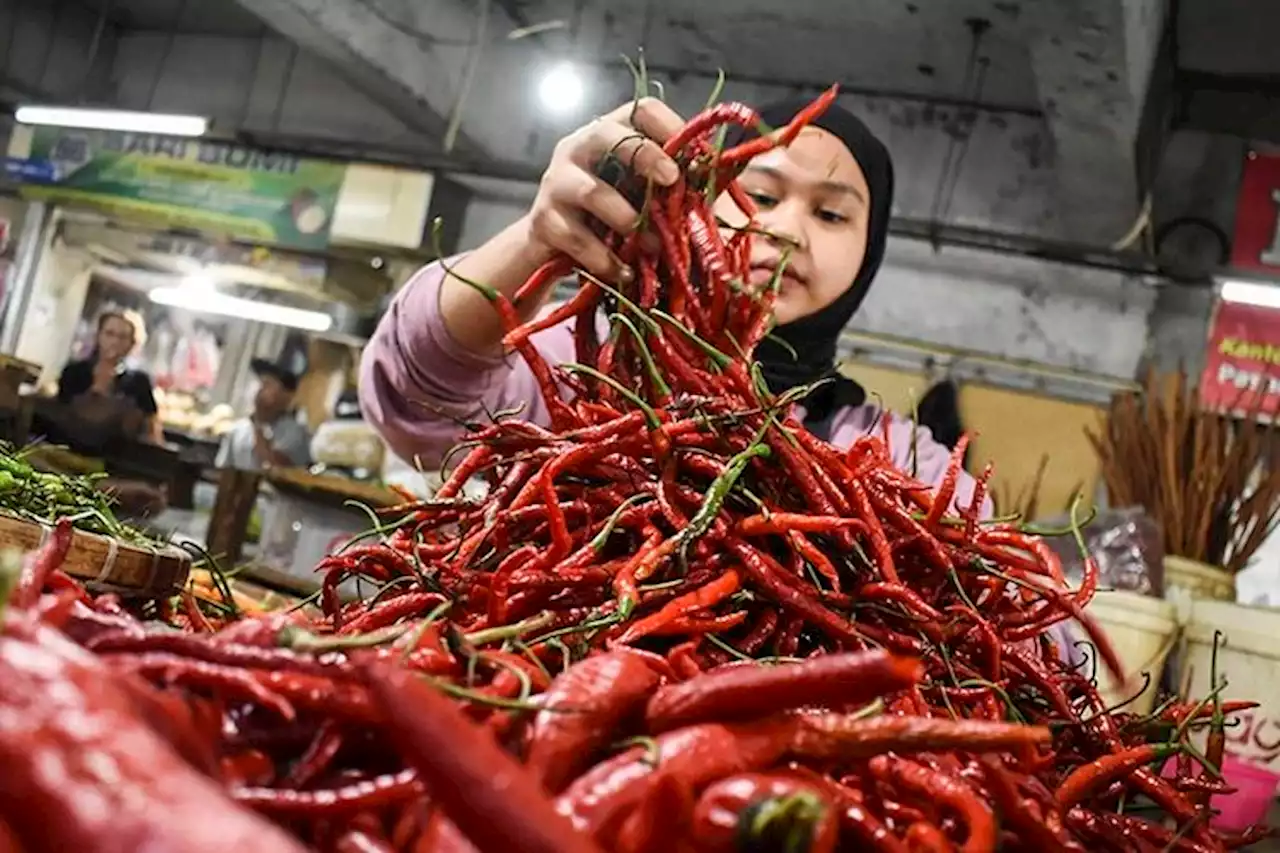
(81, 771)
(764, 808)
(1178, 712)
(839, 737)
(599, 800)
(56, 609)
(583, 708)
(772, 578)
(683, 659)
(195, 616)
(38, 565)
(944, 790)
(924, 837)
(373, 793)
(1139, 833)
(1086, 779)
(700, 624)
(624, 582)
(660, 819)
(708, 120)
(1203, 785)
(320, 753)
(392, 610)
(231, 654)
(900, 594)
(783, 522)
(542, 278)
(947, 488)
(221, 680)
(746, 151)
(875, 531)
(761, 632)
(339, 700)
(1018, 811)
(587, 296)
(496, 803)
(744, 692)
(251, 767)
(478, 457)
(700, 599)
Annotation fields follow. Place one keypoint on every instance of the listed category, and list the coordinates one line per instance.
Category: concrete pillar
(1093, 61)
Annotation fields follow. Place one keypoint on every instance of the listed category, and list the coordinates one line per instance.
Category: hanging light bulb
(561, 89)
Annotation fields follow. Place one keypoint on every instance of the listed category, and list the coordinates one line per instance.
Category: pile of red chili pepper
(676, 621)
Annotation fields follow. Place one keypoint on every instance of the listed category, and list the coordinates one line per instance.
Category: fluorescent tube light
(99, 119)
(208, 301)
(1250, 293)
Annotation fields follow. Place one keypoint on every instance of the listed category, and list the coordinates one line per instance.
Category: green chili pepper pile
(677, 621)
(43, 497)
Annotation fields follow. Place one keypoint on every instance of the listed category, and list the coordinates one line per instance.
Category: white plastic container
(1249, 659)
(1143, 630)
(1197, 580)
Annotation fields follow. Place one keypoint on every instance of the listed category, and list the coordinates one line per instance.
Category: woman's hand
(571, 194)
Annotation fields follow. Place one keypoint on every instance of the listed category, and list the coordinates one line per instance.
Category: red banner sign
(1256, 246)
(1242, 360)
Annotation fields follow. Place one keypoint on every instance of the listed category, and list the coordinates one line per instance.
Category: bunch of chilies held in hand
(676, 621)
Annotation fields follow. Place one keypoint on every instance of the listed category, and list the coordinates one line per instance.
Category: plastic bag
(1126, 545)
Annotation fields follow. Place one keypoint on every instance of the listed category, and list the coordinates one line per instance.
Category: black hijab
(813, 338)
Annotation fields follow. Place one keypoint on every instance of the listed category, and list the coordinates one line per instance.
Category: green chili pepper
(655, 376)
(717, 493)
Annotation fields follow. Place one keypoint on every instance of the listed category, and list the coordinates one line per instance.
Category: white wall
(1008, 306)
(57, 298)
(12, 211)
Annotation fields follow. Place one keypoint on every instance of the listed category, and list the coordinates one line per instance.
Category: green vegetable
(39, 496)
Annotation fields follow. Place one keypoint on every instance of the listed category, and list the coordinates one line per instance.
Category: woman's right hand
(569, 197)
(571, 194)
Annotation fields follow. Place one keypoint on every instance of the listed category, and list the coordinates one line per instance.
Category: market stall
(242, 280)
(224, 250)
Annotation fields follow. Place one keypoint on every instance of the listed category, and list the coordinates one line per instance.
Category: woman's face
(814, 199)
(115, 339)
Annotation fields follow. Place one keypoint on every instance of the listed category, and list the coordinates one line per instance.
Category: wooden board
(333, 490)
(1012, 430)
(61, 460)
(106, 562)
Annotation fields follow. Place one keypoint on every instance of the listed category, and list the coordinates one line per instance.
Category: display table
(304, 517)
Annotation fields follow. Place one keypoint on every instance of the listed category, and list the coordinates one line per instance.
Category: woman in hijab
(436, 356)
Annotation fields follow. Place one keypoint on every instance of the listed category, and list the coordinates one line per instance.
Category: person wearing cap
(271, 437)
(436, 357)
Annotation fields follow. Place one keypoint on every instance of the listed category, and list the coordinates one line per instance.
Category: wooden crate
(106, 562)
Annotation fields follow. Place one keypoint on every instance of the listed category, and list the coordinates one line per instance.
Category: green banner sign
(202, 184)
